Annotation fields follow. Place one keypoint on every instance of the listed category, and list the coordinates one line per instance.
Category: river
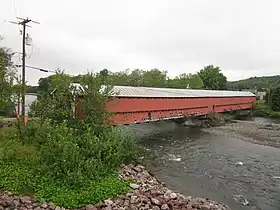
(220, 163)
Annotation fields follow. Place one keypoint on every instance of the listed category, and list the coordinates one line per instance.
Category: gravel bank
(146, 193)
(257, 133)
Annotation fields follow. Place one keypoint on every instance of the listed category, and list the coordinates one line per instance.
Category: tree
(56, 104)
(273, 99)
(212, 78)
(104, 74)
(43, 84)
(192, 81)
(31, 89)
(154, 78)
(62, 99)
(150, 78)
(6, 82)
(136, 78)
(195, 81)
(119, 78)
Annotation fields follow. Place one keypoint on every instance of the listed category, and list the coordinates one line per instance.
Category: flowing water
(214, 163)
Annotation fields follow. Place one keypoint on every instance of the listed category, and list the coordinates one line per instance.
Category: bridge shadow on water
(163, 130)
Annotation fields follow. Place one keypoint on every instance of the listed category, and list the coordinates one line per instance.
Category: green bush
(67, 170)
(63, 160)
(263, 110)
(71, 156)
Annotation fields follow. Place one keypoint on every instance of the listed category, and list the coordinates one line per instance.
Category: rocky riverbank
(146, 193)
(267, 134)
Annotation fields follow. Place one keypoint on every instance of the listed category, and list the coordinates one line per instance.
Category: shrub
(77, 158)
(20, 172)
(69, 155)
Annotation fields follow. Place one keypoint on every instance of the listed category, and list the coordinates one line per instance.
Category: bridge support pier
(180, 120)
(242, 114)
(210, 120)
(194, 121)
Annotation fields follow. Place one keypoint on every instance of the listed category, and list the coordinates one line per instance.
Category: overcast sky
(180, 36)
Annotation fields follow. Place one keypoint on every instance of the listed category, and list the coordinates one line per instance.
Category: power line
(23, 22)
(36, 68)
(44, 70)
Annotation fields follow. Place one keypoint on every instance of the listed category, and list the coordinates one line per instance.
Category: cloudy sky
(180, 36)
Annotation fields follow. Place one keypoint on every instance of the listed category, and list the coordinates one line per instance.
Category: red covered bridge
(144, 104)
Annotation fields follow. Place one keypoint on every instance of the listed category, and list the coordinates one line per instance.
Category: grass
(7, 130)
(20, 173)
(262, 110)
(22, 178)
(1, 116)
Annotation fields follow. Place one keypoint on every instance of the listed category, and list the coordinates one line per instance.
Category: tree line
(210, 77)
(258, 83)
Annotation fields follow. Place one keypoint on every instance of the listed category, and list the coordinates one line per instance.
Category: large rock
(108, 202)
(91, 207)
(133, 199)
(134, 186)
(155, 201)
(173, 195)
(44, 206)
(25, 200)
(165, 207)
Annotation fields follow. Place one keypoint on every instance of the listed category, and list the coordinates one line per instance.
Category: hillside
(255, 83)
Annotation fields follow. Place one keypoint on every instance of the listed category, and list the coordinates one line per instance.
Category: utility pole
(23, 22)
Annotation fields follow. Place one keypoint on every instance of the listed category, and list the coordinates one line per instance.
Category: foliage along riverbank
(146, 192)
(62, 172)
(63, 160)
(261, 109)
(270, 107)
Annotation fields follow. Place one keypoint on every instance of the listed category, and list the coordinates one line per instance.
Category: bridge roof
(128, 91)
